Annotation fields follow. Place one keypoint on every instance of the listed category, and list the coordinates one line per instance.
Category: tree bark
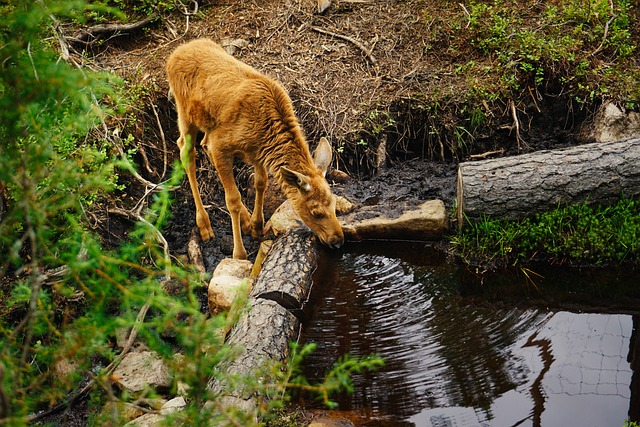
(519, 186)
(264, 331)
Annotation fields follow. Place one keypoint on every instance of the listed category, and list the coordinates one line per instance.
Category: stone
(173, 405)
(323, 5)
(428, 221)
(344, 206)
(230, 277)
(285, 218)
(612, 123)
(157, 419)
(147, 420)
(122, 411)
(141, 370)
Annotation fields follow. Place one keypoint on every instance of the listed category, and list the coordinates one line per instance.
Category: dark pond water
(463, 353)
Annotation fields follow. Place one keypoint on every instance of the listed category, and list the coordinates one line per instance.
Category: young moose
(247, 115)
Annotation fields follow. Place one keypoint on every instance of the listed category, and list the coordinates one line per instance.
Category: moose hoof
(206, 234)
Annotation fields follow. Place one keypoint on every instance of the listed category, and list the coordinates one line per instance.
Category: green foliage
(536, 44)
(63, 294)
(579, 233)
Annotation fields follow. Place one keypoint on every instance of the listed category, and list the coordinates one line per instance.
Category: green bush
(578, 233)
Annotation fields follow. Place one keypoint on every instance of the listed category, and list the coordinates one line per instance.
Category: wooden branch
(88, 35)
(117, 142)
(163, 139)
(137, 217)
(355, 42)
(486, 154)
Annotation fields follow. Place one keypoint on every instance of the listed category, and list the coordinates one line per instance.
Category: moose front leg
(236, 208)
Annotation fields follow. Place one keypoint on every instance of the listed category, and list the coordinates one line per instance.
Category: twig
(87, 36)
(486, 154)
(604, 36)
(117, 142)
(516, 124)
(163, 139)
(467, 13)
(355, 42)
(159, 236)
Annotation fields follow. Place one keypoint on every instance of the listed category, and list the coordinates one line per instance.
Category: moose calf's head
(312, 199)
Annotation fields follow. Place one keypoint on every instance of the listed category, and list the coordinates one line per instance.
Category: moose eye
(318, 215)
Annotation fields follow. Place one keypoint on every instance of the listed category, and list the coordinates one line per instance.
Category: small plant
(578, 233)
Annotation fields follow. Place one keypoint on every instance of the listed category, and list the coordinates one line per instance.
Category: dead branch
(117, 142)
(486, 154)
(163, 139)
(137, 217)
(89, 35)
(355, 42)
(516, 125)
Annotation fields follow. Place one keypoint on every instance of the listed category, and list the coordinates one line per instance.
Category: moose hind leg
(188, 157)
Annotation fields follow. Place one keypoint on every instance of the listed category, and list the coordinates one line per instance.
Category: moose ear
(322, 155)
(296, 179)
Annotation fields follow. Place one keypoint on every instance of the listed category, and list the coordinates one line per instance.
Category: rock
(118, 413)
(323, 5)
(147, 420)
(233, 45)
(156, 420)
(63, 368)
(122, 335)
(284, 219)
(344, 206)
(612, 124)
(229, 277)
(428, 221)
(173, 405)
(142, 370)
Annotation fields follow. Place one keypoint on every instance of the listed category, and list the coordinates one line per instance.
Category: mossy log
(270, 322)
(518, 186)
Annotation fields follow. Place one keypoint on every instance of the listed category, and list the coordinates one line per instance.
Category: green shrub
(579, 233)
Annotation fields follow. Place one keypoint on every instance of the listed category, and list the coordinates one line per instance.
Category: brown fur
(247, 115)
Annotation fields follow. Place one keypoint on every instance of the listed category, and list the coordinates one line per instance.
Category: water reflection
(462, 361)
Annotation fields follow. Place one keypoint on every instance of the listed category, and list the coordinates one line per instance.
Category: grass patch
(570, 234)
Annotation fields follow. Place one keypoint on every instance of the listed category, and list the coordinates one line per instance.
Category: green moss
(577, 233)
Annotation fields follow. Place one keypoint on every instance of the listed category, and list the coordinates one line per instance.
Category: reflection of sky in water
(456, 362)
(587, 382)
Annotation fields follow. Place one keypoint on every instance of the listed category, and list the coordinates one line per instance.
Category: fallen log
(516, 187)
(263, 332)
